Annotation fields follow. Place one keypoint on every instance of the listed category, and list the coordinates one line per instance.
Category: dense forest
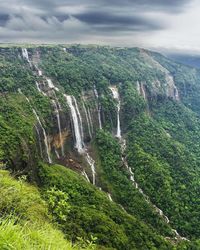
(99, 149)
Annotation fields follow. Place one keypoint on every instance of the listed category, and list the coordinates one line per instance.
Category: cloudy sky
(159, 24)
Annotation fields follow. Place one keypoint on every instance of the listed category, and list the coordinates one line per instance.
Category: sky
(156, 24)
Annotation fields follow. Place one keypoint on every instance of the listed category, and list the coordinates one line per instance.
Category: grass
(29, 236)
(25, 223)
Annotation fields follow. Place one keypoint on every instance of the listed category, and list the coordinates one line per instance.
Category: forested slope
(126, 122)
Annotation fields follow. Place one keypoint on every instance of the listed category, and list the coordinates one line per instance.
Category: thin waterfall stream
(88, 120)
(42, 128)
(115, 94)
(56, 108)
(147, 199)
(98, 107)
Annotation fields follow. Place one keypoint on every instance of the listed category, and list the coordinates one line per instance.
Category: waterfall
(56, 106)
(39, 140)
(57, 154)
(78, 132)
(176, 94)
(59, 125)
(138, 87)
(39, 89)
(158, 210)
(45, 136)
(38, 70)
(42, 128)
(109, 197)
(143, 93)
(88, 120)
(25, 55)
(116, 97)
(85, 175)
(80, 119)
(98, 107)
(91, 162)
(51, 85)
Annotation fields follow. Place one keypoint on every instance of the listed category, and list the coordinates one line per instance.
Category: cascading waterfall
(39, 140)
(88, 120)
(91, 162)
(56, 106)
(39, 89)
(158, 210)
(143, 93)
(116, 97)
(138, 87)
(51, 85)
(42, 128)
(78, 132)
(38, 70)
(98, 107)
(85, 175)
(78, 139)
(80, 119)
(25, 55)
(59, 126)
(109, 197)
(57, 154)
(45, 137)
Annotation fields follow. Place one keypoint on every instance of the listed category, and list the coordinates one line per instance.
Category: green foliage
(165, 164)
(24, 222)
(58, 205)
(117, 179)
(92, 214)
(89, 244)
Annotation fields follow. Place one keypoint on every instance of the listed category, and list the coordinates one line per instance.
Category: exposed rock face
(58, 140)
(169, 86)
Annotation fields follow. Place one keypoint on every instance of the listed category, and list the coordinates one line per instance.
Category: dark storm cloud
(3, 19)
(152, 4)
(109, 21)
(161, 4)
(21, 19)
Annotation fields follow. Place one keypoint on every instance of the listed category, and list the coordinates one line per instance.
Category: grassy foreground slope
(25, 223)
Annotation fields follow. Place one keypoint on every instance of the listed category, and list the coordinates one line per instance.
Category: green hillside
(109, 138)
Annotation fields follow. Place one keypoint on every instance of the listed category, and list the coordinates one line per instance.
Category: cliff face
(125, 119)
